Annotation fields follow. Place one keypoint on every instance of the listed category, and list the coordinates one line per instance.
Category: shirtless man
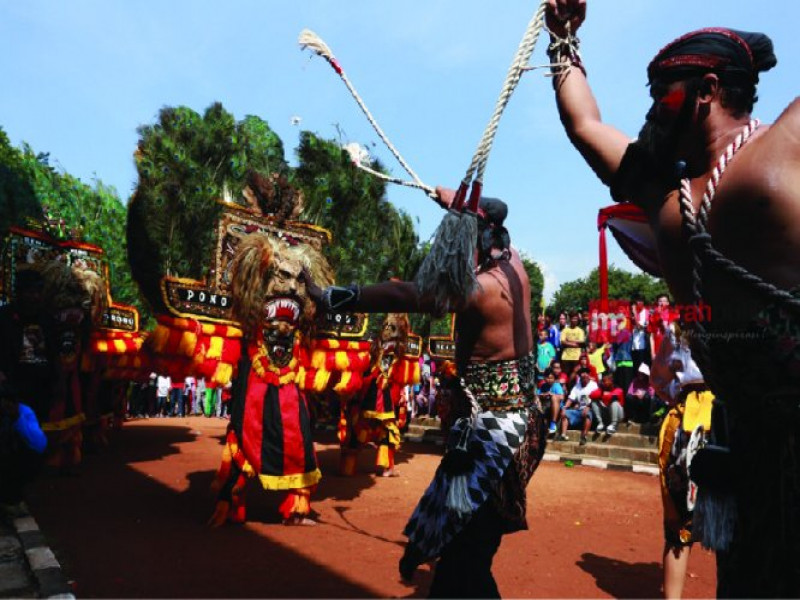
(494, 356)
(703, 89)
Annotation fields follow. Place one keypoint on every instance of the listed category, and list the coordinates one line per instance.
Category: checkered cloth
(494, 441)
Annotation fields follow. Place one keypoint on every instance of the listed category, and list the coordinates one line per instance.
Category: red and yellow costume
(379, 411)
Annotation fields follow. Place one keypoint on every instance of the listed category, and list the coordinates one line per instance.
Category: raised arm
(601, 145)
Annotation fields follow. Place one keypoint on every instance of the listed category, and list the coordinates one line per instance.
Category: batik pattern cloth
(506, 440)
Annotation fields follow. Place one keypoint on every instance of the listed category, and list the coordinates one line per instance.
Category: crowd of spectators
(162, 397)
(598, 384)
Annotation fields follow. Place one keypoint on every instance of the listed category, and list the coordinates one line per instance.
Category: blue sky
(79, 77)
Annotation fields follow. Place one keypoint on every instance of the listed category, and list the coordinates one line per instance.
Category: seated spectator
(583, 363)
(576, 411)
(607, 402)
(560, 376)
(422, 406)
(545, 353)
(597, 357)
(640, 395)
(22, 442)
(551, 395)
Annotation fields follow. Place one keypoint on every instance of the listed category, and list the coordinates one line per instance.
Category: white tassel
(458, 496)
(309, 39)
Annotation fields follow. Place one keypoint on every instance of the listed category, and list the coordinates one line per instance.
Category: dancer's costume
(84, 334)
(490, 458)
(252, 322)
(379, 412)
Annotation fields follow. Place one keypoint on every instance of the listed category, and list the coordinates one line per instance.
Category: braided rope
(309, 39)
(515, 71)
(700, 240)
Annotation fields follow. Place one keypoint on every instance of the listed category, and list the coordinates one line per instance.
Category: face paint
(669, 113)
(673, 101)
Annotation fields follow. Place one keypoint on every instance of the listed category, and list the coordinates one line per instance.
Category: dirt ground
(132, 524)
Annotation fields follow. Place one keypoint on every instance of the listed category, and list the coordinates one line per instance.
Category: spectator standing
(189, 386)
(553, 334)
(163, 387)
(640, 341)
(661, 323)
(199, 396)
(573, 340)
(623, 360)
(545, 354)
(176, 398)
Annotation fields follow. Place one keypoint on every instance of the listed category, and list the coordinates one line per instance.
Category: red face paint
(673, 101)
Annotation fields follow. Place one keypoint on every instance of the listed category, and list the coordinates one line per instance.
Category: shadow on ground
(622, 579)
(120, 532)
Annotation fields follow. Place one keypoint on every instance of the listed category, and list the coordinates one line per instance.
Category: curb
(46, 569)
(601, 464)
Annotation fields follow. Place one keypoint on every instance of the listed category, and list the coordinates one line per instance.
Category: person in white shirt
(576, 411)
(163, 386)
(640, 342)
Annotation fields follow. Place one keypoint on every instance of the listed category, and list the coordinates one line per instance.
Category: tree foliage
(622, 285)
(536, 278)
(30, 188)
(186, 163)
(372, 240)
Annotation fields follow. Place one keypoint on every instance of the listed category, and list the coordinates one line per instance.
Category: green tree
(536, 278)
(30, 187)
(372, 240)
(622, 285)
(186, 163)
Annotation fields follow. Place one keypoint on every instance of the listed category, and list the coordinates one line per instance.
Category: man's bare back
(496, 324)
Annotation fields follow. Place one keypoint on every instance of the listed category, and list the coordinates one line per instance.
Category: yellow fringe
(290, 482)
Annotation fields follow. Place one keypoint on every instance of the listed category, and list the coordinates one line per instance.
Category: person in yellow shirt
(596, 354)
(573, 340)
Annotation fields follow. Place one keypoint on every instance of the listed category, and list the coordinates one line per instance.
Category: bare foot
(299, 520)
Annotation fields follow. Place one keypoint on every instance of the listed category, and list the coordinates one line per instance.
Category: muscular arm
(601, 145)
(393, 296)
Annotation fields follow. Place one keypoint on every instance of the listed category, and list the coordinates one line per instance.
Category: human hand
(560, 12)
(313, 290)
(445, 196)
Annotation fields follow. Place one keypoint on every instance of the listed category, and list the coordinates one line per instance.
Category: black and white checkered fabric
(433, 524)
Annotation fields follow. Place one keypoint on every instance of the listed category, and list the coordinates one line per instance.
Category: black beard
(659, 140)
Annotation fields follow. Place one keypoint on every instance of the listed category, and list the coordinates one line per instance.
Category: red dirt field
(132, 524)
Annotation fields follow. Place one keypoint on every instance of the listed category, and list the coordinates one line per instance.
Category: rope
(700, 240)
(515, 71)
(309, 39)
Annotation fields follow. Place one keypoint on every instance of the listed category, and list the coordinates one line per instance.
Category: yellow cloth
(572, 334)
(697, 410)
(596, 360)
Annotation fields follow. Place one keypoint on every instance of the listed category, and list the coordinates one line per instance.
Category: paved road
(133, 525)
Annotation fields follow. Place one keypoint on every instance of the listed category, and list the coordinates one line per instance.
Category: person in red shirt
(660, 324)
(609, 401)
(583, 363)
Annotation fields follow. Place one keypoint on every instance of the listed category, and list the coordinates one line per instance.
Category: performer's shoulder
(787, 124)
